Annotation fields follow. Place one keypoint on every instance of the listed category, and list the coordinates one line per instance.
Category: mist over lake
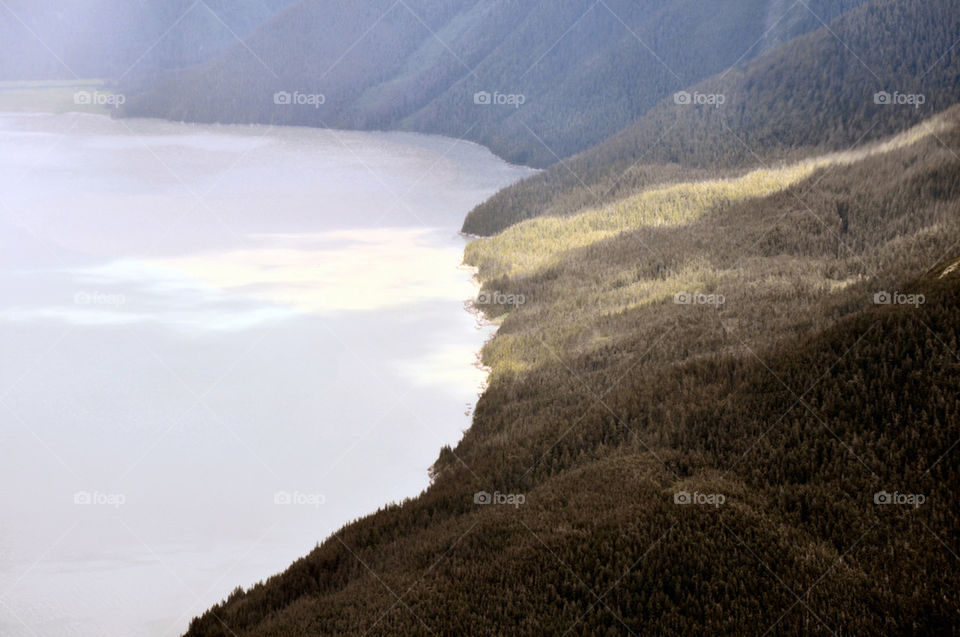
(220, 344)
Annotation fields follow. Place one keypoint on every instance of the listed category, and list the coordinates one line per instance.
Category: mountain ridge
(584, 70)
(769, 114)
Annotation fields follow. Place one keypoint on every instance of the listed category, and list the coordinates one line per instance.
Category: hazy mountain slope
(65, 39)
(583, 69)
(798, 399)
(816, 92)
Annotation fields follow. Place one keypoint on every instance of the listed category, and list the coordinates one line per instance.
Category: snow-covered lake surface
(219, 344)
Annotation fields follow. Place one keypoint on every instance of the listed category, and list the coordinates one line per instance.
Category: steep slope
(815, 93)
(566, 75)
(741, 417)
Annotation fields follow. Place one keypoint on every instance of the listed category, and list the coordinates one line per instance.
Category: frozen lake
(219, 344)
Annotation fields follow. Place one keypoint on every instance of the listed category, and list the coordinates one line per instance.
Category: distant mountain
(534, 80)
(109, 39)
(822, 91)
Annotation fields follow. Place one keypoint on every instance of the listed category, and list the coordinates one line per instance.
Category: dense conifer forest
(812, 94)
(739, 418)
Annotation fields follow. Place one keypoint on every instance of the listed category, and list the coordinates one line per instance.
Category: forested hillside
(718, 407)
(559, 77)
(818, 92)
(113, 39)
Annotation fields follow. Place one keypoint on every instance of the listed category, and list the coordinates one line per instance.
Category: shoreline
(439, 418)
(63, 106)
